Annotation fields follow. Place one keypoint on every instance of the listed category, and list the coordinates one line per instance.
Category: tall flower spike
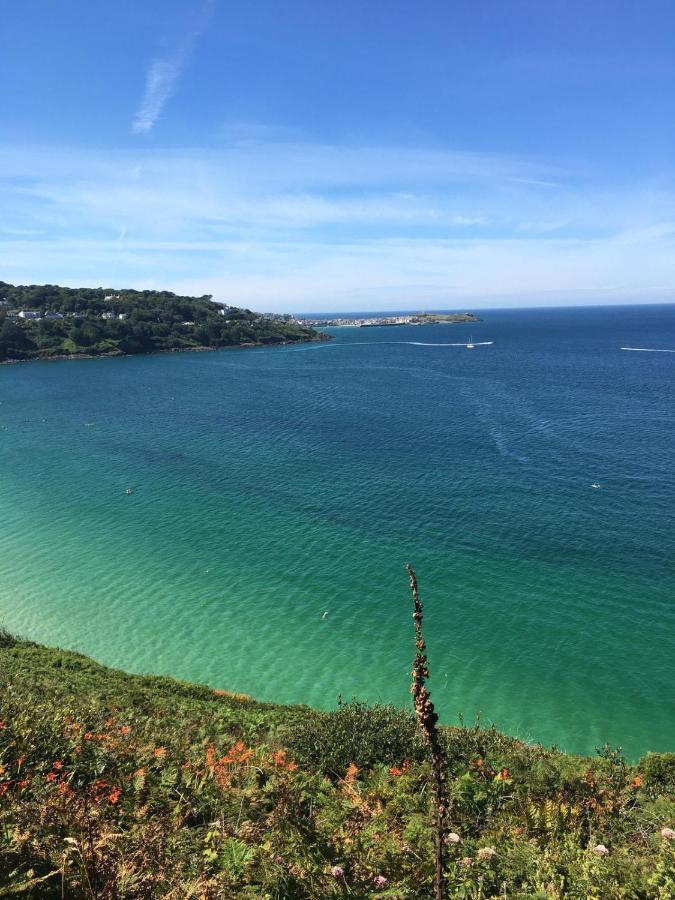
(427, 719)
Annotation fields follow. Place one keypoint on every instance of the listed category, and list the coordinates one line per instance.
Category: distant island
(52, 322)
(423, 318)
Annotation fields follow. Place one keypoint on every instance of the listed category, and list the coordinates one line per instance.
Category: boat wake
(647, 350)
(379, 344)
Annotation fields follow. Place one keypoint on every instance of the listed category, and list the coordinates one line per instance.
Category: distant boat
(595, 485)
(472, 344)
(128, 491)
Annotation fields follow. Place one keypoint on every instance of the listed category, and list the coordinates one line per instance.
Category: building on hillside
(30, 314)
(53, 314)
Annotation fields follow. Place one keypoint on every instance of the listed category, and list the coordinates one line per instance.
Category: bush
(6, 639)
(357, 734)
(658, 770)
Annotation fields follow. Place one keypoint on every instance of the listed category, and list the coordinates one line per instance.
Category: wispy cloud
(163, 74)
(296, 226)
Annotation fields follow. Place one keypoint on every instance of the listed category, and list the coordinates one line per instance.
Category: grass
(123, 786)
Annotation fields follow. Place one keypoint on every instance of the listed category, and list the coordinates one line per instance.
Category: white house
(30, 314)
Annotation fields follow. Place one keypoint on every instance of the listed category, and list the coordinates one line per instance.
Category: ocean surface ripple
(277, 493)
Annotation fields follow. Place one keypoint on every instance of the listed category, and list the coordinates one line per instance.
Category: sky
(314, 156)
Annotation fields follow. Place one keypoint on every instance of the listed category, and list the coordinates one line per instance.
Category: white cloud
(159, 86)
(160, 82)
(309, 226)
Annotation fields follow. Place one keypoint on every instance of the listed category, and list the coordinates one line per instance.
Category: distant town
(423, 318)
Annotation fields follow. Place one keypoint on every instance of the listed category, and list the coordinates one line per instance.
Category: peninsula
(422, 318)
(52, 322)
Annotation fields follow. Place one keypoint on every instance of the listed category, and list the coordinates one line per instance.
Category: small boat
(470, 345)
(595, 485)
(128, 491)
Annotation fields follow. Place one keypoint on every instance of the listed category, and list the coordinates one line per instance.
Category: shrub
(6, 639)
(357, 734)
(658, 770)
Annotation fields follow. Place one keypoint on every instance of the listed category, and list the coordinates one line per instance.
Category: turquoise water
(277, 494)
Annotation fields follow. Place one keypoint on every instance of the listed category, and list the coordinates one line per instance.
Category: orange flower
(58, 764)
(125, 729)
(395, 771)
(2, 725)
(88, 736)
(52, 776)
(279, 758)
(479, 763)
(352, 772)
(291, 767)
(114, 795)
(636, 782)
(159, 751)
(503, 775)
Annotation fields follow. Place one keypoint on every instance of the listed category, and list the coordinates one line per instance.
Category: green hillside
(123, 786)
(47, 321)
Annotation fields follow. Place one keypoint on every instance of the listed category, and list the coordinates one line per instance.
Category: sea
(242, 518)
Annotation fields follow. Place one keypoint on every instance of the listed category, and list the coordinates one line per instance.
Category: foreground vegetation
(98, 321)
(121, 786)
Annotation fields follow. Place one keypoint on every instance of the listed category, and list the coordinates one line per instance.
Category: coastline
(65, 357)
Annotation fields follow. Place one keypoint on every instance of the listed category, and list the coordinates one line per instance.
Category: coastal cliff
(133, 786)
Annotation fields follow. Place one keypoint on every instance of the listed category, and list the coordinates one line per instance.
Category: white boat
(470, 345)
(595, 485)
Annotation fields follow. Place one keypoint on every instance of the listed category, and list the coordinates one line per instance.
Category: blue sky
(342, 156)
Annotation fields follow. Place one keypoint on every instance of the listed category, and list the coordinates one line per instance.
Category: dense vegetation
(98, 321)
(121, 786)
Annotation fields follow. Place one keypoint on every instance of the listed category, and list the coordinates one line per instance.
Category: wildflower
(159, 752)
(395, 771)
(503, 775)
(668, 834)
(337, 872)
(52, 776)
(453, 838)
(125, 729)
(486, 853)
(636, 782)
(479, 763)
(466, 861)
(2, 725)
(114, 795)
(88, 736)
(57, 765)
(600, 850)
(379, 880)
